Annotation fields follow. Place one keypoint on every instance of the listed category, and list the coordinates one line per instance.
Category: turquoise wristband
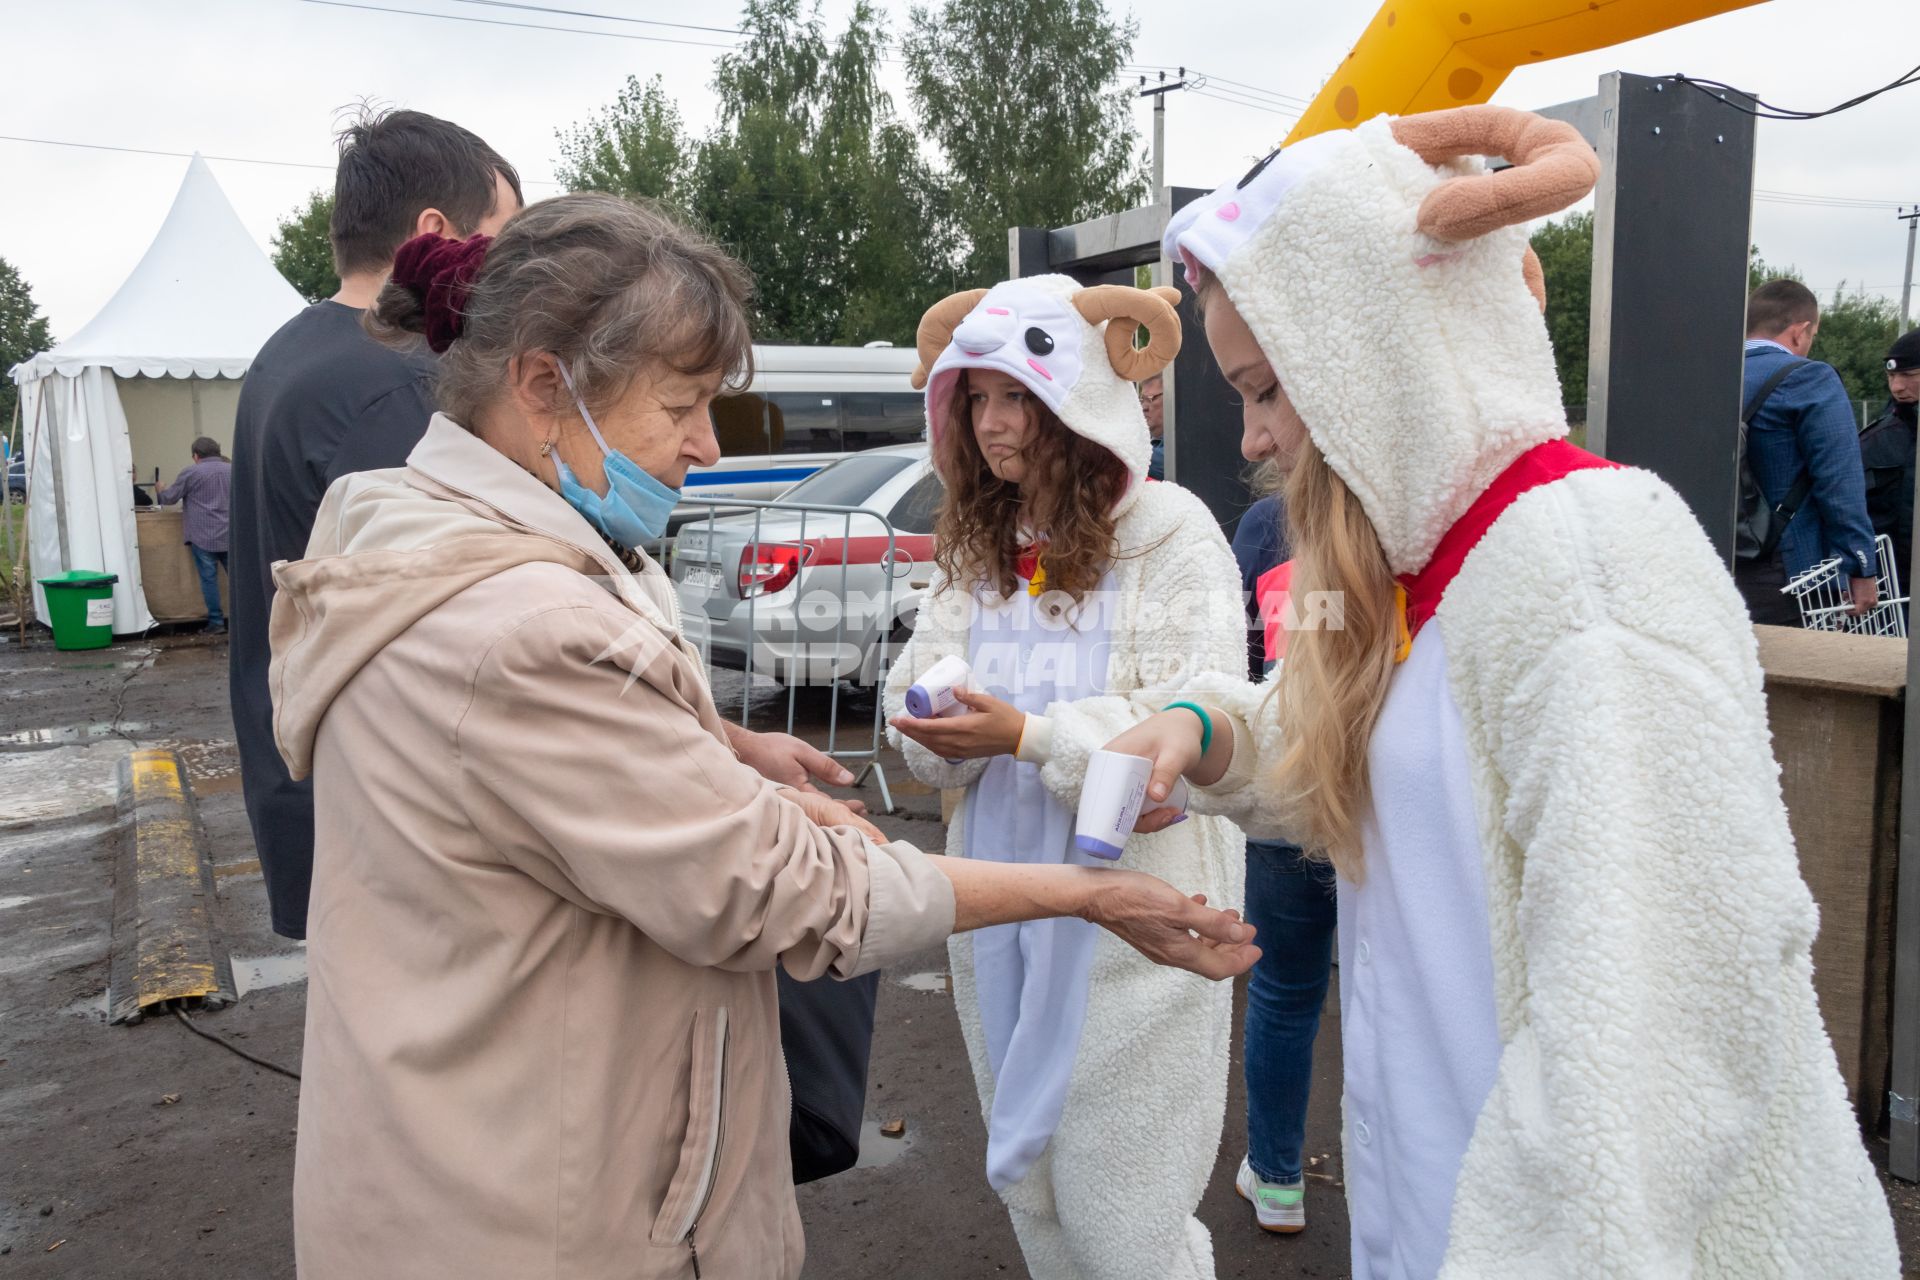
(1206, 722)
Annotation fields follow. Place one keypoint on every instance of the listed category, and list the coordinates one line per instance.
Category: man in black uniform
(323, 399)
(1887, 452)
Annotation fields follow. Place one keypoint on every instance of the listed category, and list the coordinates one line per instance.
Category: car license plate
(701, 581)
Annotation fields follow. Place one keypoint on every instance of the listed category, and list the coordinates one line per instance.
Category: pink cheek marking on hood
(1227, 212)
(1431, 259)
(997, 311)
(1039, 368)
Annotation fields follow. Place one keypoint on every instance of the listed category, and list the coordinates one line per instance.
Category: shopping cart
(1825, 604)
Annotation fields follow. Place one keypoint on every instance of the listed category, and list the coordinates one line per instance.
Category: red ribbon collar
(1542, 464)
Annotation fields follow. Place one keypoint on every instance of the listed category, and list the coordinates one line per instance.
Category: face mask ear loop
(581, 405)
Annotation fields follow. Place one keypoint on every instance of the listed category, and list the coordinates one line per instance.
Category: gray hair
(610, 286)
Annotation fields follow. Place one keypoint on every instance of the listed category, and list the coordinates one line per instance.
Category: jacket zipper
(710, 1175)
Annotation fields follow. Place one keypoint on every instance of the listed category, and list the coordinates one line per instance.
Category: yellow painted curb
(164, 942)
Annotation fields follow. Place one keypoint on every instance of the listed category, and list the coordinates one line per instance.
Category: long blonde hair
(1330, 688)
(1333, 682)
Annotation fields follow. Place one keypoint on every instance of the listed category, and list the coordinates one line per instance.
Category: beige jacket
(542, 1038)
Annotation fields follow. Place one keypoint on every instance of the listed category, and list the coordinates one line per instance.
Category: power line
(149, 151)
(1765, 110)
(1223, 95)
(188, 155)
(604, 17)
(527, 26)
(1287, 98)
(1820, 200)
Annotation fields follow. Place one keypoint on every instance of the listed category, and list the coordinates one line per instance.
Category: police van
(806, 407)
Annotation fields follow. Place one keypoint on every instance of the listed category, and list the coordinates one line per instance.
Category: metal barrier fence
(803, 593)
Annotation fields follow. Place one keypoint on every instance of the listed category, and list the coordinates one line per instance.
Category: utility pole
(1158, 92)
(1912, 218)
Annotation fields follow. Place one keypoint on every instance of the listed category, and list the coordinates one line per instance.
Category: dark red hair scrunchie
(439, 272)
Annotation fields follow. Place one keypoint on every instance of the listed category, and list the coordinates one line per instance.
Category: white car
(811, 596)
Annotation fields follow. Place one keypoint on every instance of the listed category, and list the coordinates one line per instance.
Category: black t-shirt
(323, 399)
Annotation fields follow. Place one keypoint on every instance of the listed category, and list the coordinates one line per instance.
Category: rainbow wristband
(1206, 722)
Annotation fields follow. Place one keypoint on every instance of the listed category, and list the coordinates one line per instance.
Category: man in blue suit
(1805, 428)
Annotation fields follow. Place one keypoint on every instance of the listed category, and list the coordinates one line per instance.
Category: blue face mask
(635, 509)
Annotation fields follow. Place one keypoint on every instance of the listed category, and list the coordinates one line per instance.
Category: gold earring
(546, 447)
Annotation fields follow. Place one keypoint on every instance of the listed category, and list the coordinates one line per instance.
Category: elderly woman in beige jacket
(548, 897)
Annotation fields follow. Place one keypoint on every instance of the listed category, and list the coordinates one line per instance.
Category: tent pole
(13, 563)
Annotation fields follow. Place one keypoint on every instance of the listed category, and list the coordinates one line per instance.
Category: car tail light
(767, 568)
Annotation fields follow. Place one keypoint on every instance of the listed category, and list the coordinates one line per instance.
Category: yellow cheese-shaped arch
(1426, 55)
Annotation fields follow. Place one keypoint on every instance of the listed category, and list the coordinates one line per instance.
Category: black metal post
(1671, 234)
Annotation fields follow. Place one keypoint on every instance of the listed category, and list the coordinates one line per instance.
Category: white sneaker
(1280, 1206)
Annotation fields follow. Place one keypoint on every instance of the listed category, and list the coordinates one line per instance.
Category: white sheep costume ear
(1070, 345)
(1388, 280)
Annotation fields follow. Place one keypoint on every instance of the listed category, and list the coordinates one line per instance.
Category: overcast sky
(263, 79)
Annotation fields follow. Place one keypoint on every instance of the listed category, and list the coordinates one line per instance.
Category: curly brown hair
(1070, 492)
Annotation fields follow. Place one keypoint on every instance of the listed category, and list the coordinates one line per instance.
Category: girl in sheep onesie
(1578, 1021)
(1080, 595)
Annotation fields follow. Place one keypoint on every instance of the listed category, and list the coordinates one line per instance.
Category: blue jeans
(210, 563)
(1290, 901)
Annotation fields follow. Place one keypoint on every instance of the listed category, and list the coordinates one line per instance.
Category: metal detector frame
(1664, 379)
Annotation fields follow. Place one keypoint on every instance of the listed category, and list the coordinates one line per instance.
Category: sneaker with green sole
(1279, 1206)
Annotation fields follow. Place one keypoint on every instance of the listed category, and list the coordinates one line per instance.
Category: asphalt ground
(147, 1152)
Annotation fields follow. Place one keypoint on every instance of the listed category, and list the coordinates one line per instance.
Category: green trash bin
(80, 607)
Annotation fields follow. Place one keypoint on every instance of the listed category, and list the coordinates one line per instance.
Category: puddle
(210, 761)
(261, 973)
(939, 982)
(877, 1150)
(44, 786)
(71, 734)
(18, 900)
(94, 1006)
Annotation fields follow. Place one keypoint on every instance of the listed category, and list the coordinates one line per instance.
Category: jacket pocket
(699, 1165)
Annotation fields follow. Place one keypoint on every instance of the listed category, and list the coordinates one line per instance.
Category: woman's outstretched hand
(1171, 739)
(990, 728)
(1169, 928)
(825, 811)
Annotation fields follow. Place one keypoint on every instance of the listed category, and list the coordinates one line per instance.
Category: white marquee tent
(182, 329)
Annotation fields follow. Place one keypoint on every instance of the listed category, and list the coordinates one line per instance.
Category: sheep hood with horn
(1069, 344)
(1387, 278)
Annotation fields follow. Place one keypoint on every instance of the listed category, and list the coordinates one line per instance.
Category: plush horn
(936, 329)
(1152, 308)
(1536, 277)
(1552, 168)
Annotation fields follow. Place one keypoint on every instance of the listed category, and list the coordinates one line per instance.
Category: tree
(816, 185)
(23, 335)
(1021, 96)
(636, 147)
(302, 250)
(1855, 331)
(1565, 250)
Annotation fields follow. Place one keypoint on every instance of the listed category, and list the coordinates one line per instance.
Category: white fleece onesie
(1578, 861)
(1110, 1195)
(1031, 977)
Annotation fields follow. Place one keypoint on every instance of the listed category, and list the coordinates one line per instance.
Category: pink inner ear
(1227, 212)
(997, 311)
(1040, 369)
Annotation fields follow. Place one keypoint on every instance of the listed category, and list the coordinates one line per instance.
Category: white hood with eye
(1031, 331)
(1420, 366)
